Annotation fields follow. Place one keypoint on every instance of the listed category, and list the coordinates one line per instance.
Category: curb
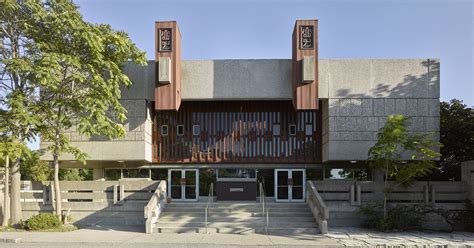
(10, 240)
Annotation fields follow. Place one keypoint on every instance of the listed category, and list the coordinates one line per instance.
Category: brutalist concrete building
(238, 122)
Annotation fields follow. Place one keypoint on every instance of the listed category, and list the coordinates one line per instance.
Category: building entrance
(290, 185)
(183, 184)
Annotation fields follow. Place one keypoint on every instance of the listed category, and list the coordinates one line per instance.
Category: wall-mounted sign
(165, 40)
(306, 37)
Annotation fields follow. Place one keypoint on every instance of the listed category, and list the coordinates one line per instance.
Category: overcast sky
(347, 29)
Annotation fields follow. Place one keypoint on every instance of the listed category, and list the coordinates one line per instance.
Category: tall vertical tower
(305, 65)
(168, 66)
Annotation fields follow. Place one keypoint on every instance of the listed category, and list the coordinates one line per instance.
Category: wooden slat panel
(225, 130)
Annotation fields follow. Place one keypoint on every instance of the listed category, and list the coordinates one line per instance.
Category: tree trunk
(385, 193)
(16, 215)
(57, 189)
(6, 196)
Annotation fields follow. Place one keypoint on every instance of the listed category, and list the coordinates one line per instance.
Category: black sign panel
(306, 37)
(164, 40)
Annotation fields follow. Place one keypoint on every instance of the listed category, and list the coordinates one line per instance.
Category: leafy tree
(457, 137)
(394, 142)
(35, 169)
(18, 95)
(76, 66)
(10, 150)
(80, 74)
(75, 174)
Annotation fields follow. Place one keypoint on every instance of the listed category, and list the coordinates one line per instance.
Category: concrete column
(467, 175)
(98, 174)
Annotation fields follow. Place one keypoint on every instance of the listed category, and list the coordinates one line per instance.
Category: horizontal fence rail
(443, 194)
(92, 202)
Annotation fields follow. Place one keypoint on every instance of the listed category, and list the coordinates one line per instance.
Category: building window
(308, 129)
(357, 174)
(113, 174)
(136, 173)
(180, 130)
(292, 130)
(159, 174)
(235, 174)
(196, 130)
(164, 130)
(276, 129)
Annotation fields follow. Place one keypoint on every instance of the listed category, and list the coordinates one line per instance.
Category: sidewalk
(136, 236)
(337, 237)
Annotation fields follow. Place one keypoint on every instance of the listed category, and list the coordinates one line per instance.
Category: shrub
(467, 217)
(399, 217)
(42, 221)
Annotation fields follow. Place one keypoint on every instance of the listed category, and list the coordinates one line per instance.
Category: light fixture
(353, 161)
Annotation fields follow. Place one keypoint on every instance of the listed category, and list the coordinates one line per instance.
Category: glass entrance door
(290, 185)
(183, 184)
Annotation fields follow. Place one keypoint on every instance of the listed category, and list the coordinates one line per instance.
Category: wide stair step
(242, 218)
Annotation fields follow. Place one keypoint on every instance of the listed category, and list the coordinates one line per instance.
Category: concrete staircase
(236, 217)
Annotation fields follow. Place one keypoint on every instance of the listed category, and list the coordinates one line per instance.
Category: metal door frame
(290, 187)
(183, 186)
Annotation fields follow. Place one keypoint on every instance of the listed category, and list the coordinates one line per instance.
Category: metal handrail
(210, 195)
(210, 200)
(262, 200)
(262, 196)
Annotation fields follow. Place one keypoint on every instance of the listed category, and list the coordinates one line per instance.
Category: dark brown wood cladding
(237, 132)
(305, 95)
(168, 96)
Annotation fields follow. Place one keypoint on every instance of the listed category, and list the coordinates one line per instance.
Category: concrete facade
(357, 96)
(134, 146)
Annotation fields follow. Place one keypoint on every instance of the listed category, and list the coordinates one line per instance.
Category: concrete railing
(91, 202)
(154, 207)
(443, 194)
(318, 207)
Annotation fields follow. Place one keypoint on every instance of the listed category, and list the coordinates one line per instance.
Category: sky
(347, 29)
(230, 29)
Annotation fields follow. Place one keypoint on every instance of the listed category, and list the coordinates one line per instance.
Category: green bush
(467, 216)
(42, 221)
(399, 217)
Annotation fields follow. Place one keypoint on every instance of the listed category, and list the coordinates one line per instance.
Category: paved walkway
(337, 237)
(367, 238)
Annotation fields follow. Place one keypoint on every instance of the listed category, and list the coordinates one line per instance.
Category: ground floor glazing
(282, 184)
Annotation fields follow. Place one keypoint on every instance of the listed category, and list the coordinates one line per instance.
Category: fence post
(51, 193)
(359, 194)
(115, 194)
(433, 194)
(426, 194)
(352, 194)
(122, 192)
(355, 194)
(46, 195)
